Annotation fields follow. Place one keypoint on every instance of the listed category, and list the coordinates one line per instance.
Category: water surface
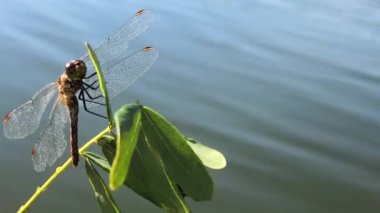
(288, 91)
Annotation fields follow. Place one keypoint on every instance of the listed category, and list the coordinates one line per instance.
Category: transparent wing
(116, 44)
(51, 143)
(122, 74)
(25, 119)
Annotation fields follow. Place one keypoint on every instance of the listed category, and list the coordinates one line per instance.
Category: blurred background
(288, 90)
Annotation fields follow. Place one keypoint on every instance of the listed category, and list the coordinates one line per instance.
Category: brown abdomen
(73, 109)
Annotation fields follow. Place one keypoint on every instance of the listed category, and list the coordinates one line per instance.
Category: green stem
(102, 82)
(59, 171)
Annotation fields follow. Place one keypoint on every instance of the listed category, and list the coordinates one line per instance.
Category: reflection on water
(288, 91)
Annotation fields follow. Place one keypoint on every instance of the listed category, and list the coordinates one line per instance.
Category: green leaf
(210, 157)
(108, 145)
(180, 161)
(127, 121)
(102, 194)
(98, 160)
(102, 82)
(148, 178)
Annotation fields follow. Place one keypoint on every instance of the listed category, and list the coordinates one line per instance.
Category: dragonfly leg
(89, 96)
(81, 97)
(93, 74)
(91, 86)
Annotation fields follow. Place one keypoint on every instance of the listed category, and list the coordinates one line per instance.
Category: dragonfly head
(76, 70)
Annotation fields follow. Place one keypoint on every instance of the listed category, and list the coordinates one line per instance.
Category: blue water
(288, 91)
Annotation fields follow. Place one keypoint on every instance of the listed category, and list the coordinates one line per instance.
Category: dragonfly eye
(69, 65)
(70, 68)
(76, 69)
(80, 69)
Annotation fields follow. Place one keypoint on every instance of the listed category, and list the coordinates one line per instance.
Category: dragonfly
(75, 88)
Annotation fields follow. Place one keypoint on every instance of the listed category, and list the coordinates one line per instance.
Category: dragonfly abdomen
(72, 105)
(68, 87)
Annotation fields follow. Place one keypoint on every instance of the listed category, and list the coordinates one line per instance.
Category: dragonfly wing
(51, 143)
(25, 119)
(117, 43)
(123, 73)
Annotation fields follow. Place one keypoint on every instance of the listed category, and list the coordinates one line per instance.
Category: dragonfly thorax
(76, 70)
(71, 80)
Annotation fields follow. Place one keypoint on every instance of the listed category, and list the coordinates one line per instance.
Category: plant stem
(59, 171)
(102, 82)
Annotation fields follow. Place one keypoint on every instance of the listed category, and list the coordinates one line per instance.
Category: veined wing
(25, 119)
(51, 143)
(117, 43)
(122, 74)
